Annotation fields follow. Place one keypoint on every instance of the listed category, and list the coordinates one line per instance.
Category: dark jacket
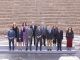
(49, 35)
(56, 33)
(11, 34)
(53, 31)
(44, 30)
(70, 34)
(60, 36)
(16, 29)
(33, 29)
(38, 33)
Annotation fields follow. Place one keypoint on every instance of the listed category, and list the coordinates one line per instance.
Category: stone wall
(63, 13)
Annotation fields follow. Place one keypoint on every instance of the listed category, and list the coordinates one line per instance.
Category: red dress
(69, 42)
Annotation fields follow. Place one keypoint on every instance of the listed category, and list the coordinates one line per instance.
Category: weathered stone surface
(64, 13)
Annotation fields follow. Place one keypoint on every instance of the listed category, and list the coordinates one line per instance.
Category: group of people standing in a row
(27, 35)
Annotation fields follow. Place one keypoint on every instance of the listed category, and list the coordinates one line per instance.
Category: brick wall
(63, 13)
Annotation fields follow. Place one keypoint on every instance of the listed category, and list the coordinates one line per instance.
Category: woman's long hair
(70, 28)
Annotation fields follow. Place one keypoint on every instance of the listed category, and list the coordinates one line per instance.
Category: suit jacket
(33, 29)
(11, 34)
(38, 33)
(16, 29)
(60, 36)
(56, 33)
(70, 34)
(53, 31)
(49, 34)
(30, 33)
(44, 31)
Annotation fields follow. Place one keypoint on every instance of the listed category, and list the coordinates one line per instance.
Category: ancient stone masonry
(63, 13)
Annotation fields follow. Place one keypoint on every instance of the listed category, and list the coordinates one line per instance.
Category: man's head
(43, 24)
(33, 23)
(14, 24)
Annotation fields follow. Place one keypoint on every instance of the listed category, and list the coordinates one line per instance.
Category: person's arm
(62, 34)
(14, 33)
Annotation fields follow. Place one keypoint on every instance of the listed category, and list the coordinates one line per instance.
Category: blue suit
(11, 36)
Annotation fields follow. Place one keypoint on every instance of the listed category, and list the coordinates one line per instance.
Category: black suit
(59, 39)
(53, 31)
(38, 38)
(34, 31)
(44, 32)
(55, 35)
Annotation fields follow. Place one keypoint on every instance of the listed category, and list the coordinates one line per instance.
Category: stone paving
(5, 54)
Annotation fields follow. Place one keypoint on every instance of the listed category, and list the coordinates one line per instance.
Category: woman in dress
(69, 37)
(23, 33)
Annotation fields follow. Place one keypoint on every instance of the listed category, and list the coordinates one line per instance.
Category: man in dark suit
(59, 40)
(55, 35)
(30, 33)
(44, 32)
(53, 31)
(38, 38)
(33, 27)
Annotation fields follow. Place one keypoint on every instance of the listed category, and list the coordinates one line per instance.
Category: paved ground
(28, 56)
(5, 54)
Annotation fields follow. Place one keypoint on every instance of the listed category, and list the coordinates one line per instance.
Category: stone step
(37, 52)
(17, 50)
(34, 47)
